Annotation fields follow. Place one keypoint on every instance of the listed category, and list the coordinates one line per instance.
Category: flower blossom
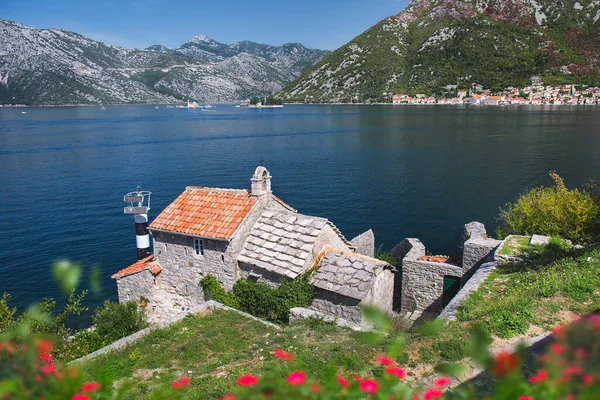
(384, 360)
(539, 377)
(396, 371)
(296, 378)
(181, 382)
(440, 383)
(80, 396)
(90, 387)
(432, 393)
(283, 355)
(343, 382)
(247, 380)
(505, 363)
(368, 386)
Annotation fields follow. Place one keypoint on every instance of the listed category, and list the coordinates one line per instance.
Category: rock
(539, 240)
(474, 229)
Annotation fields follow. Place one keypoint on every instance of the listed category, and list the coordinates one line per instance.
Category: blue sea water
(407, 171)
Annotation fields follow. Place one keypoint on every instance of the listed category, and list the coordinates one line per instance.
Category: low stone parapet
(301, 313)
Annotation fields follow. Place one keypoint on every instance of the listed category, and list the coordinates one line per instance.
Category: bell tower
(261, 182)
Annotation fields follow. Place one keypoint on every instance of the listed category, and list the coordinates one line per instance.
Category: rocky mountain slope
(434, 43)
(53, 66)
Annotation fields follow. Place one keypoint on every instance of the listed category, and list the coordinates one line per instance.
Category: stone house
(238, 234)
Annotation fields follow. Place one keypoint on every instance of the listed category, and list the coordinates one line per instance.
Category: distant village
(536, 94)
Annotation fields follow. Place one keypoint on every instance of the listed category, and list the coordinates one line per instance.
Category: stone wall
(134, 286)
(343, 307)
(381, 294)
(327, 237)
(422, 281)
(477, 248)
(365, 243)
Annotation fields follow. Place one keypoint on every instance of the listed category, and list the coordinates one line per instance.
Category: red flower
(247, 380)
(90, 387)
(587, 379)
(539, 377)
(182, 382)
(343, 382)
(296, 378)
(44, 347)
(46, 357)
(384, 360)
(505, 363)
(37, 378)
(80, 396)
(48, 369)
(573, 370)
(228, 396)
(396, 371)
(442, 382)
(557, 348)
(432, 393)
(283, 355)
(314, 388)
(368, 386)
(525, 398)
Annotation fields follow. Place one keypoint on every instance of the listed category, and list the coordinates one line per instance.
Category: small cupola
(261, 182)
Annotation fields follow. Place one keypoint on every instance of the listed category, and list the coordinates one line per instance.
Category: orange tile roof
(145, 263)
(207, 212)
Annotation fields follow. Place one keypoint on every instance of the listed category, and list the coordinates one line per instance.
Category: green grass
(221, 346)
(541, 292)
(515, 245)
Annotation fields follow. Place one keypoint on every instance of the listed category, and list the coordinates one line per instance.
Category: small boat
(169, 106)
(103, 108)
(156, 108)
(23, 112)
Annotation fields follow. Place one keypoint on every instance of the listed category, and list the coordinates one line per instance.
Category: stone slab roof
(346, 273)
(206, 212)
(141, 265)
(282, 242)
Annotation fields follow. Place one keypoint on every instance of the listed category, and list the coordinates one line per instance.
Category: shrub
(6, 312)
(116, 320)
(213, 290)
(555, 211)
(261, 300)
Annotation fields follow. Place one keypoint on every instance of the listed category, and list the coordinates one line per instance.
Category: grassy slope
(515, 300)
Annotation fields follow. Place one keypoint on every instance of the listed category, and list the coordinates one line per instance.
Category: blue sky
(325, 24)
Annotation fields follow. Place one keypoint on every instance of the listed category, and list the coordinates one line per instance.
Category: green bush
(214, 291)
(6, 312)
(116, 320)
(261, 300)
(554, 211)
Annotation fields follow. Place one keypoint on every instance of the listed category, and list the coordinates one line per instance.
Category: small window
(199, 246)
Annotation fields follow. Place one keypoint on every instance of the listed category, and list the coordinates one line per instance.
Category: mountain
(54, 66)
(434, 43)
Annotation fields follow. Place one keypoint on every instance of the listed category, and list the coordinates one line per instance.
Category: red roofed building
(232, 234)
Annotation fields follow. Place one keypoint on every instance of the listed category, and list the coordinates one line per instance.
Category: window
(199, 246)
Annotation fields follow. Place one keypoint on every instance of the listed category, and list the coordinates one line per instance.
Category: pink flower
(247, 380)
(587, 379)
(432, 393)
(182, 382)
(283, 355)
(539, 377)
(296, 378)
(90, 387)
(557, 348)
(396, 371)
(343, 382)
(442, 382)
(80, 396)
(228, 396)
(384, 360)
(368, 386)
(525, 398)
(48, 369)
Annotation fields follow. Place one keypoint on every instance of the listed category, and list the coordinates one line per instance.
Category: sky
(322, 24)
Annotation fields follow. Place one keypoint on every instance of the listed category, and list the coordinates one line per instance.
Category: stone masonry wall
(365, 243)
(477, 248)
(327, 237)
(422, 281)
(381, 294)
(343, 307)
(132, 287)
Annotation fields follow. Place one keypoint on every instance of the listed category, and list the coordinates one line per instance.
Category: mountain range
(435, 43)
(54, 67)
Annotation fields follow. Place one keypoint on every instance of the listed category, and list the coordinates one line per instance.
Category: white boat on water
(103, 108)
